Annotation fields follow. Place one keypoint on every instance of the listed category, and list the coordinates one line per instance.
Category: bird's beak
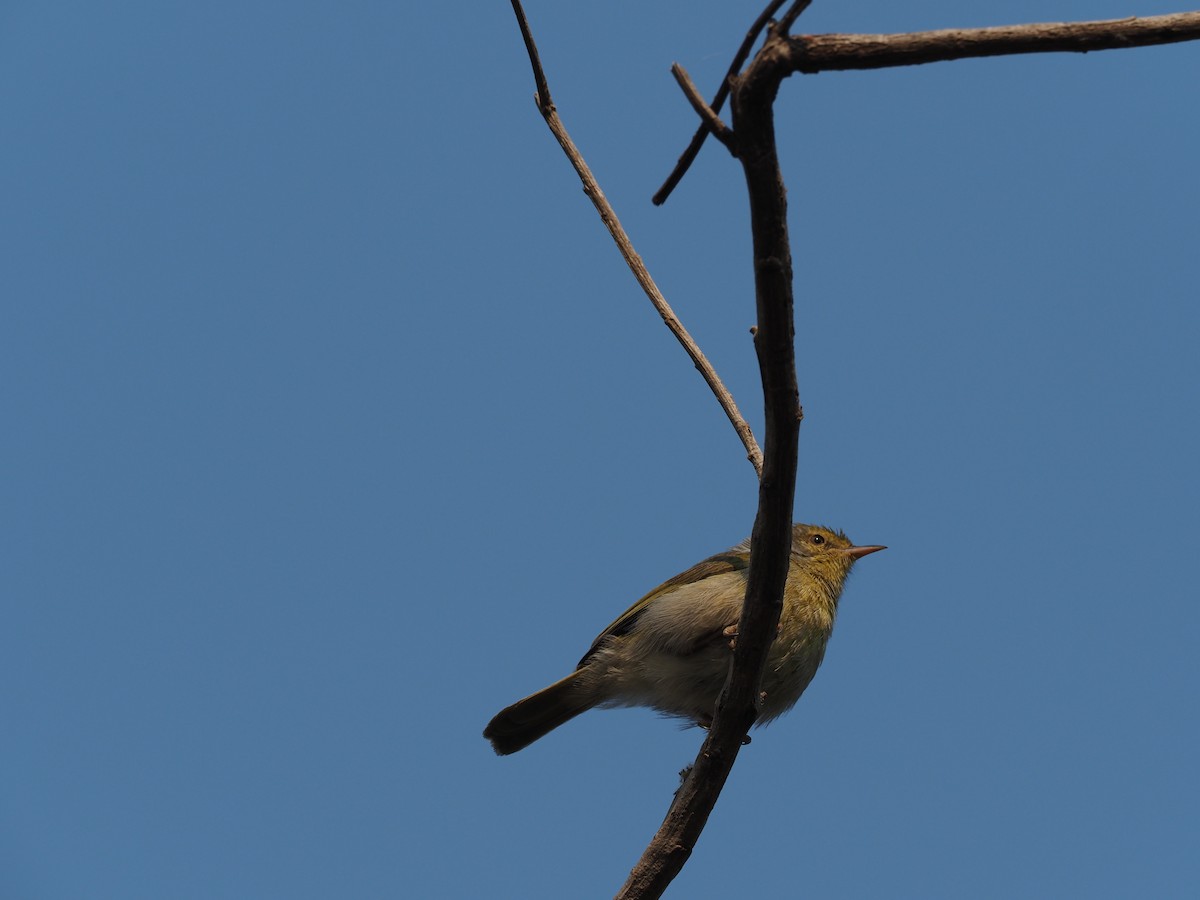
(860, 552)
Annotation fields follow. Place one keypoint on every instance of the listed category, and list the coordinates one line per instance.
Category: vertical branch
(774, 342)
(754, 134)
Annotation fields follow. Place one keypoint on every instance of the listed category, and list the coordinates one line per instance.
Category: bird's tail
(519, 725)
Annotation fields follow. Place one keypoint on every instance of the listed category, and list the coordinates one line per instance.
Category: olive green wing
(721, 564)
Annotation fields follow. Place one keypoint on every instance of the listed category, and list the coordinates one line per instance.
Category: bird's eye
(817, 538)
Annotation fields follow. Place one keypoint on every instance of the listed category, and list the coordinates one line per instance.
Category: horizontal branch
(814, 53)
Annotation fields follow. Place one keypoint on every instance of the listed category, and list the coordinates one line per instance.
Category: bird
(672, 650)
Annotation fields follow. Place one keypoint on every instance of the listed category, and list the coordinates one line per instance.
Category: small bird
(671, 651)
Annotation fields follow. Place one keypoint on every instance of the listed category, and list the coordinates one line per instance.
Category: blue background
(333, 422)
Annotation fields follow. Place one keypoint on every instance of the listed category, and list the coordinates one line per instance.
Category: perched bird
(672, 650)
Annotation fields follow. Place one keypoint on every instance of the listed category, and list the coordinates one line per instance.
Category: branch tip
(712, 121)
(789, 18)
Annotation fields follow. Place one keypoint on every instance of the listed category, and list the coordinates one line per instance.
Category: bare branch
(840, 52)
(814, 53)
(753, 95)
(539, 77)
(693, 149)
(737, 707)
(720, 130)
(788, 19)
(608, 215)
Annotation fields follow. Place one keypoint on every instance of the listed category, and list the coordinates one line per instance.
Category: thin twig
(720, 130)
(788, 19)
(813, 53)
(539, 77)
(693, 149)
(592, 188)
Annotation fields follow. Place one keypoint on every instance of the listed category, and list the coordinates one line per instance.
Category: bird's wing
(679, 587)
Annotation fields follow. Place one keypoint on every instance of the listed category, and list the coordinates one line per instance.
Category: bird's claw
(731, 632)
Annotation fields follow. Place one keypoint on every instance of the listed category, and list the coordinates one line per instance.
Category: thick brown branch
(753, 135)
(737, 708)
(840, 52)
(814, 53)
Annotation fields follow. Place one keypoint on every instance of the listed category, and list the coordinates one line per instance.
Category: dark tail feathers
(519, 725)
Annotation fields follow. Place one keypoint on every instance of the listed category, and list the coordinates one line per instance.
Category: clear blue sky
(333, 423)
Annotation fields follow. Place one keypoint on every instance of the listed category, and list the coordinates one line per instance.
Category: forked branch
(752, 141)
(812, 53)
(774, 341)
(739, 59)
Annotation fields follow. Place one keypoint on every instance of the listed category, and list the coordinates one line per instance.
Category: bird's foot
(731, 632)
